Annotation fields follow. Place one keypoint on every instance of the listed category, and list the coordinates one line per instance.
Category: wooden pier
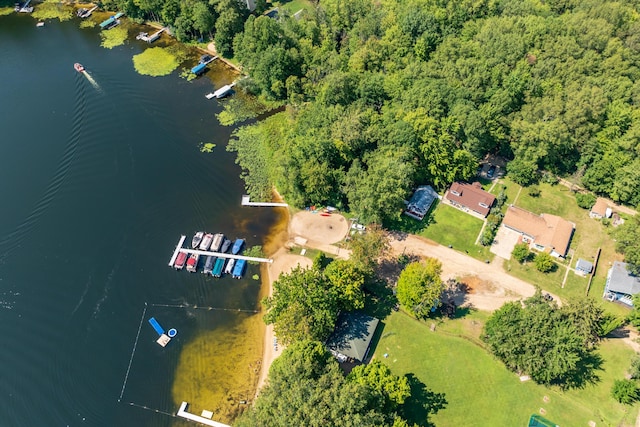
(182, 412)
(175, 253)
(145, 37)
(246, 202)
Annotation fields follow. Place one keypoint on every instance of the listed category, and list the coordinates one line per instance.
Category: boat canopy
(198, 68)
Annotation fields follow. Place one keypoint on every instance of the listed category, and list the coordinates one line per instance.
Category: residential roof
(471, 196)
(584, 265)
(550, 231)
(421, 201)
(621, 280)
(600, 207)
(353, 334)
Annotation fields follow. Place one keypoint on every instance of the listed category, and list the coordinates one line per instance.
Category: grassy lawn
(480, 391)
(452, 227)
(511, 190)
(293, 6)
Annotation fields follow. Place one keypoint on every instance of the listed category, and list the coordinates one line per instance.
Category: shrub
(544, 262)
(534, 191)
(625, 391)
(585, 200)
(521, 252)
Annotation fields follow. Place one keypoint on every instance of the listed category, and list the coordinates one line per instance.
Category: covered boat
(237, 246)
(197, 238)
(79, 67)
(226, 244)
(229, 268)
(180, 260)
(217, 269)
(208, 265)
(192, 263)
(206, 242)
(238, 270)
(199, 69)
(217, 241)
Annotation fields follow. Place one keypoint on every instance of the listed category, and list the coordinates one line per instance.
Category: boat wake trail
(13, 239)
(92, 81)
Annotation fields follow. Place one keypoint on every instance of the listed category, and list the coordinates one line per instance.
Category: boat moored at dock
(208, 265)
(181, 259)
(226, 244)
(192, 263)
(217, 241)
(237, 246)
(229, 268)
(197, 238)
(238, 270)
(206, 242)
(217, 269)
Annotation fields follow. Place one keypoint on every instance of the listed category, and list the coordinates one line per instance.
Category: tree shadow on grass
(422, 403)
(585, 373)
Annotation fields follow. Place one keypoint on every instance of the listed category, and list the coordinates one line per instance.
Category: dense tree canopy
(387, 96)
(628, 242)
(553, 345)
(420, 287)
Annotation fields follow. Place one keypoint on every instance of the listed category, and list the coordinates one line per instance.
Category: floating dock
(182, 412)
(156, 326)
(175, 253)
(246, 202)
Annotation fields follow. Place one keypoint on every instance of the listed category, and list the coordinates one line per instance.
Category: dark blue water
(96, 186)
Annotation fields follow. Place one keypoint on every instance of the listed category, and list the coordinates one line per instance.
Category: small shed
(600, 209)
(584, 267)
(352, 337)
(421, 202)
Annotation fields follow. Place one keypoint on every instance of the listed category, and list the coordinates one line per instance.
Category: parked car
(491, 171)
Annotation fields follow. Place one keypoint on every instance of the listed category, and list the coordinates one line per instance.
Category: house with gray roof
(421, 202)
(621, 284)
(352, 337)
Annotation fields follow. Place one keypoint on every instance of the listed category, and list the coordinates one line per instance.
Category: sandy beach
(316, 231)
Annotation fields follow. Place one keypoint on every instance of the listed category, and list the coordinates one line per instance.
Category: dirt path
(491, 286)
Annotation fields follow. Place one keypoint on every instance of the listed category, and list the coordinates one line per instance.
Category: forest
(384, 96)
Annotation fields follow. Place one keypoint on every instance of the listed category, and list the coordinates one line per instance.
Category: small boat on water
(229, 268)
(40, 24)
(217, 269)
(237, 246)
(238, 270)
(208, 265)
(226, 244)
(79, 67)
(210, 95)
(206, 242)
(197, 238)
(192, 263)
(180, 260)
(217, 241)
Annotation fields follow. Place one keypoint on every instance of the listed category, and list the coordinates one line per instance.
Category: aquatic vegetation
(156, 61)
(255, 277)
(207, 147)
(114, 37)
(53, 9)
(87, 23)
(205, 378)
(6, 10)
(238, 110)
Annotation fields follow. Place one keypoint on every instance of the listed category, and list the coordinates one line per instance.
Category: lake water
(97, 185)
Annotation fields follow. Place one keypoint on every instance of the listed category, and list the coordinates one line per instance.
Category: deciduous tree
(420, 287)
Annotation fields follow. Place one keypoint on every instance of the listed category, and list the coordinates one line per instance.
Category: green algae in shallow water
(6, 11)
(156, 61)
(255, 277)
(113, 37)
(87, 23)
(53, 9)
(219, 368)
(207, 147)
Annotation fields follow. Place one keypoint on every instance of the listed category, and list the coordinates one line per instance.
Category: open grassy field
(292, 6)
(452, 227)
(480, 391)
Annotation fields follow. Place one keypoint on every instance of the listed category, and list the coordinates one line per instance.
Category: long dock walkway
(182, 412)
(246, 202)
(179, 249)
